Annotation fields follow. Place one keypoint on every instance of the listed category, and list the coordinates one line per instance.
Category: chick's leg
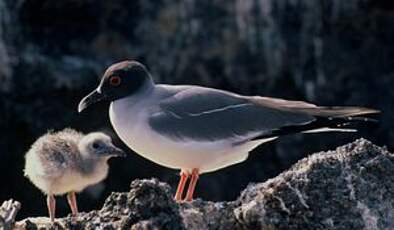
(72, 201)
(51, 204)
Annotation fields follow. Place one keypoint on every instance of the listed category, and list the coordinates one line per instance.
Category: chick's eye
(96, 145)
(115, 80)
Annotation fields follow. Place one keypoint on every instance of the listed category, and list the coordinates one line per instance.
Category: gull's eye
(115, 80)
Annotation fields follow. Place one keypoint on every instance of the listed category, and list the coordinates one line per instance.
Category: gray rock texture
(8, 211)
(349, 188)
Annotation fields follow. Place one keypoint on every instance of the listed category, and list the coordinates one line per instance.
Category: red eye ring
(115, 80)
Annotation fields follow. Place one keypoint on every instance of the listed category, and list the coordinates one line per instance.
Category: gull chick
(198, 129)
(67, 162)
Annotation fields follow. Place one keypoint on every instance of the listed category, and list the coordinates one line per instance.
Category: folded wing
(203, 114)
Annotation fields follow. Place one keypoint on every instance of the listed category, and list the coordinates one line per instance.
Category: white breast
(129, 117)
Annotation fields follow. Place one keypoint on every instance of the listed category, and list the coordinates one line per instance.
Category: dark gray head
(98, 145)
(119, 80)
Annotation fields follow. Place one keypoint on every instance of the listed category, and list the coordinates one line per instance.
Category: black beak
(90, 99)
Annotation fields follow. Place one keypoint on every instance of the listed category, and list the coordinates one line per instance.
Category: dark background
(329, 52)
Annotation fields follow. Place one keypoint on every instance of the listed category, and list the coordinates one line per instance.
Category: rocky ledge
(349, 188)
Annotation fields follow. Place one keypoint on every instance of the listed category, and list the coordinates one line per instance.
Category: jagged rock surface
(349, 188)
(8, 211)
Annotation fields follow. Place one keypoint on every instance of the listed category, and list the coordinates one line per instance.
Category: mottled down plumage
(67, 162)
(57, 150)
(59, 162)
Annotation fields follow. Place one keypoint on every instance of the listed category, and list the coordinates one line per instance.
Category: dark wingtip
(363, 119)
(341, 111)
(370, 111)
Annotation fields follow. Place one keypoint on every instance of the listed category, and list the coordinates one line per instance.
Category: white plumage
(132, 126)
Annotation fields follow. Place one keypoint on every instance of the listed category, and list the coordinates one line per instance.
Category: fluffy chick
(67, 162)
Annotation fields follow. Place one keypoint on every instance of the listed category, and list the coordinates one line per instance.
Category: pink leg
(51, 204)
(192, 185)
(72, 201)
(181, 186)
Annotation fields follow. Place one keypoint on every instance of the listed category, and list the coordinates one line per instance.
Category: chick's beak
(116, 152)
(92, 98)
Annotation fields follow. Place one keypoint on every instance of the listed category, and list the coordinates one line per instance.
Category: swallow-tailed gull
(197, 129)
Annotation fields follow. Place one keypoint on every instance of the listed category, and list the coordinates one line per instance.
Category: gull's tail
(338, 112)
(328, 119)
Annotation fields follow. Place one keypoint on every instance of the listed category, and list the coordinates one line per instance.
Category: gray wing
(204, 114)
